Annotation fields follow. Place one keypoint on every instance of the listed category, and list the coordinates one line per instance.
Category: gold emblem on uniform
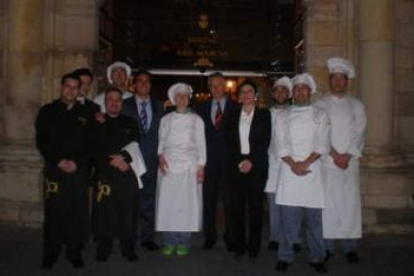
(103, 190)
(51, 188)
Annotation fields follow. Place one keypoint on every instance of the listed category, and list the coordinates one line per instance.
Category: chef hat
(306, 79)
(340, 65)
(285, 82)
(179, 88)
(115, 65)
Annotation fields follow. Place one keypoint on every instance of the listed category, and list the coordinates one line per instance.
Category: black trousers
(104, 248)
(115, 210)
(66, 214)
(216, 185)
(247, 197)
(147, 206)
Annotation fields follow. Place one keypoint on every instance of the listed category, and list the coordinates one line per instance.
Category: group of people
(166, 171)
(313, 178)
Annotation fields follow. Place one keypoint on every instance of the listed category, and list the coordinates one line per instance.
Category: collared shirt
(148, 109)
(222, 102)
(245, 123)
(81, 100)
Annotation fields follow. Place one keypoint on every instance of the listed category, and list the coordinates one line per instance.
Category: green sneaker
(167, 250)
(182, 250)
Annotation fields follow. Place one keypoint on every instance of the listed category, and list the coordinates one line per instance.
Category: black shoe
(209, 244)
(47, 264)
(282, 266)
(297, 248)
(101, 259)
(319, 267)
(352, 257)
(78, 263)
(131, 257)
(273, 245)
(328, 255)
(151, 246)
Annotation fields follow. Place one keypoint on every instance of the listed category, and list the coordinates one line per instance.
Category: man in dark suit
(147, 113)
(86, 77)
(215, 115)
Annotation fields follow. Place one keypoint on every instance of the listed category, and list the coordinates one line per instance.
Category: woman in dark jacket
(248, 140)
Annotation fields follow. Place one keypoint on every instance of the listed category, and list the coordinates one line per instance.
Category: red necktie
(218, 117)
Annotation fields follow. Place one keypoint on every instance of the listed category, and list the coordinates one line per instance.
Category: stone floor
(20, 254)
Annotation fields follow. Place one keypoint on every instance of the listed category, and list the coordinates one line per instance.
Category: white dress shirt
(245, 123)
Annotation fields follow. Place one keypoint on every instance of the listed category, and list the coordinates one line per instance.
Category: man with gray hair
(215, 114)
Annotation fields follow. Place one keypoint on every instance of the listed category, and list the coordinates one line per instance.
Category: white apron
(179, 202)
(303, 130)
(274, 160)
(179, 196)
(342, 215)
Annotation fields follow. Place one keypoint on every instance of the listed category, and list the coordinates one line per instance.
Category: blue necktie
(143, 116)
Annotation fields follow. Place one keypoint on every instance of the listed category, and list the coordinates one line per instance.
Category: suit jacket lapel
(132, 108)
(208, 115)
(135, 112)
(236, 117)
(253, 126)
(154, 111)
(227, 111)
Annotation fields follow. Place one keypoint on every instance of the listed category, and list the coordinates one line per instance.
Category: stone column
(23, 70)
(20, 162)
(376, 74)
(40, 40)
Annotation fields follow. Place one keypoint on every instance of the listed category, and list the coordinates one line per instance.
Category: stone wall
(2, 63)
(404, 76)
(40, 40)
(329, 31)
(332, 29)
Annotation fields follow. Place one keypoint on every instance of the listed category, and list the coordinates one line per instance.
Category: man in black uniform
(115, 201)
(86, 77)
(61, 129)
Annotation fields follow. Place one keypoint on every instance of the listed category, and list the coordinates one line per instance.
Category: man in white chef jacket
(117, 74)
(342, 214)
(281, 94)
(302, 139)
